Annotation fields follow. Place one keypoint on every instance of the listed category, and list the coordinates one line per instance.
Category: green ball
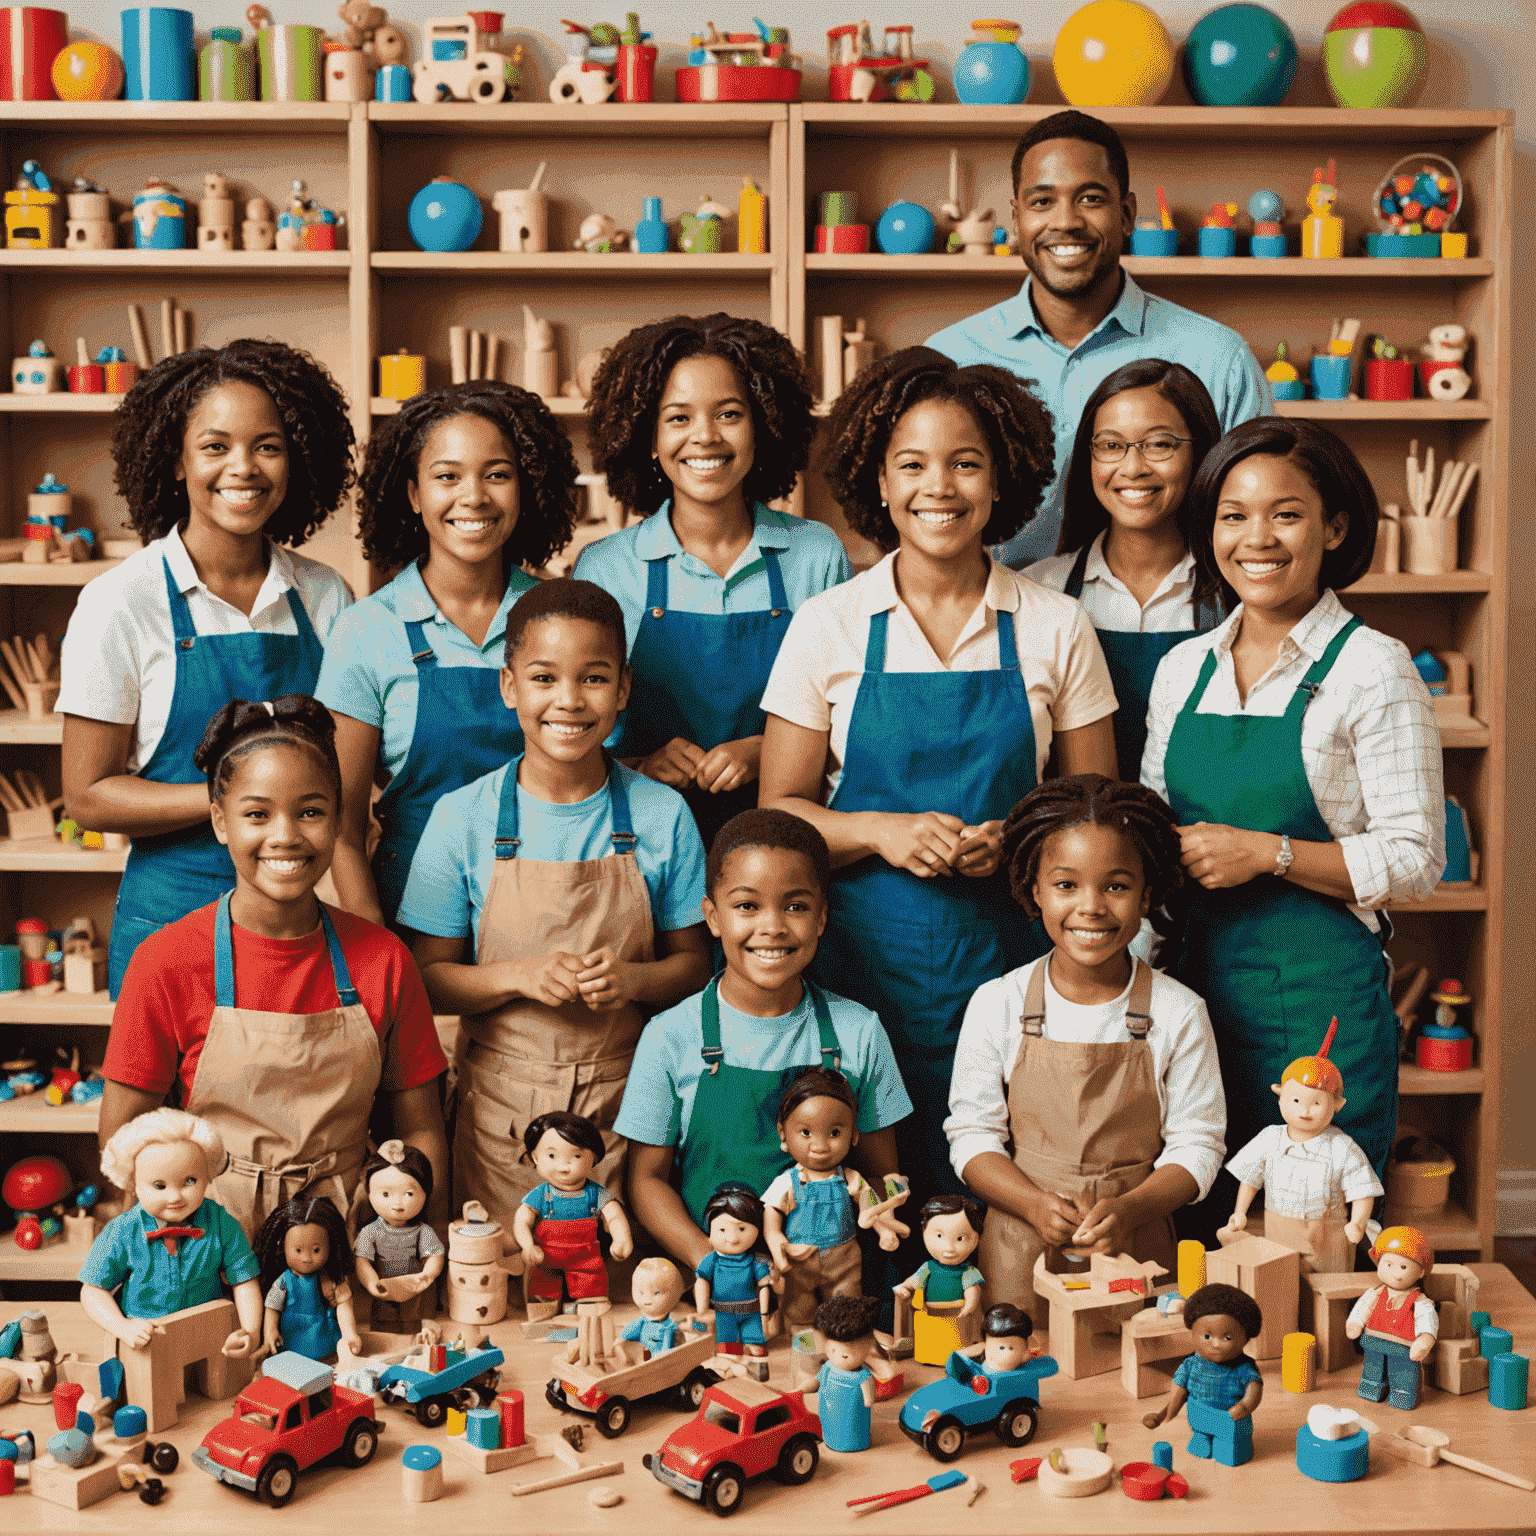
(1373, 66)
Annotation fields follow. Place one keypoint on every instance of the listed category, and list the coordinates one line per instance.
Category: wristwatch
(1284, 858)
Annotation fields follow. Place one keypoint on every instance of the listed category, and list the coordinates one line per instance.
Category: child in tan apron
(1071, 1156)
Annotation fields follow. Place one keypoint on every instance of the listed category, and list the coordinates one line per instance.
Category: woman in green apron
(1123, 554)
(1300, 753)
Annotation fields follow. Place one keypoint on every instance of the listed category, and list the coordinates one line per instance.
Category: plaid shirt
(1305, 1179)
(1217, 1386)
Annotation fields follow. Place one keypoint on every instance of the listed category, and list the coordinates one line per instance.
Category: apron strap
(1033, 1016)
(831, 1051)
(874, 644)
(422, 654)
(1307, 688)
(623, 835)
(656, 585)
(1074, 586)
(507, 840)
(1202, 682)
(709, 1018)
(346, 993)
(181, 614)
(778, 600)
(1138, 1007)
(1008, 653)
(224, 958)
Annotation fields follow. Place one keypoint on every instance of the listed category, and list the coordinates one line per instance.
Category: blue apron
(701, 676)
(845, 1417)
(170, 874)
(1274, 961)
(308, 1325)
(915, 950)
(1132, 658)
(458, 705)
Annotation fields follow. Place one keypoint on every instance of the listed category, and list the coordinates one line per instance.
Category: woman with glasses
(1123, 552)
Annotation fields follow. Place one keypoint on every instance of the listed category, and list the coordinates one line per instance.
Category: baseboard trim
(1516, 1202)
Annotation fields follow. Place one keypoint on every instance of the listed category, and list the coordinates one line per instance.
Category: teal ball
(1240, 56)
(445, 216)
(905, 229)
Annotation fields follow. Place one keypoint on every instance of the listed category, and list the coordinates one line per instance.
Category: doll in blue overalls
(307, 1273)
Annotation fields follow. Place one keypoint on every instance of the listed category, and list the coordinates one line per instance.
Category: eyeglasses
(1154, 449)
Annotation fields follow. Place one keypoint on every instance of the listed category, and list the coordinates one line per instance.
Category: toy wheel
(431, 1413)
(274, 1487)
(946, 1439)
(613, 1418)
(797, 1461)
(361, 1442)
(723, 1489)
(690, 1393)
(486, 89)
(1017, 1423)
(554, 1396)
(163, 1457)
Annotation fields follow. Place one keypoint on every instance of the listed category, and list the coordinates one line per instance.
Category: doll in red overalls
(1398, 1320)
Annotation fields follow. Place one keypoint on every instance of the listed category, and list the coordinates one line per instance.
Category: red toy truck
(291, 1417)
(742, 1430)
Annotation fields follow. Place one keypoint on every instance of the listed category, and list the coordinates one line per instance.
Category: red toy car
(283, 1423)
(742, 1430)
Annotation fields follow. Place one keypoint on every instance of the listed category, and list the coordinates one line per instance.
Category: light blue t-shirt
(1140, 325)
(456, 857)
(811, 559)
(664, 1075)
(368, 673)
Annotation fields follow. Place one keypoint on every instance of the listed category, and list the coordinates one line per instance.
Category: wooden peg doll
(845, 1385)
(398, 1256)
(657, 1286)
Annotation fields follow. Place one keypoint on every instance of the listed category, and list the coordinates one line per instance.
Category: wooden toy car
(442, 1378)
(607, 1395)
(453, 65)
(939, 1416)
(291, 1417)
(742, 1430)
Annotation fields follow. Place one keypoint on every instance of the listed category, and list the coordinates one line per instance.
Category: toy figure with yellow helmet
(1398, 1321)
(1309, 1169)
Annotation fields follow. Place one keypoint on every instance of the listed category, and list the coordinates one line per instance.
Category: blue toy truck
(466, 1379)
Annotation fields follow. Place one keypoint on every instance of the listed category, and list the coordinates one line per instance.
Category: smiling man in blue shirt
(1079, 316)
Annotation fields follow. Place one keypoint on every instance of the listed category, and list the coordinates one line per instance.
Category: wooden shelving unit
(380, 293)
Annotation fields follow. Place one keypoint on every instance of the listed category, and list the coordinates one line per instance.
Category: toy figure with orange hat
(1308, 1169)
(1398, 1321)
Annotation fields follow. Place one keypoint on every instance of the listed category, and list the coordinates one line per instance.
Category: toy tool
(935, 1484)
(1427, 1446)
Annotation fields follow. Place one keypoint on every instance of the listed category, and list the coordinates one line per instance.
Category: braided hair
(393, 535)
(243, 727)
(1133, 809)
(1016, 425)
(626, 402)
(304, 1211)
(148, 429)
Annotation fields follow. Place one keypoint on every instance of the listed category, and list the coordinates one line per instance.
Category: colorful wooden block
(1271, 1274)
(1508, 1378)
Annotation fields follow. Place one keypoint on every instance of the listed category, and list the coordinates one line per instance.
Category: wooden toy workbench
(1269, 1494)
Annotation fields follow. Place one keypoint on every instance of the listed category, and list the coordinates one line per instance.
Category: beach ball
(905, 229)
(1374, 54)
(1240, 56)
(87, 71)
(1113, 53)
(445, 216)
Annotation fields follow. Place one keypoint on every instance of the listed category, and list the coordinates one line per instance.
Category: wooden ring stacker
(1088, 1471)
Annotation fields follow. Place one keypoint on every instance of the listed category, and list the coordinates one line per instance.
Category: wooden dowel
(8, 796)
(1427, 481)
(21, 672)
(476, 350)
(39, 671)
(167, 327)
(46, 651)
(1463, 488)
(82, 357)
(1450, 479)
(492, 348)
(140, 337)
(183, 330)
(458, 353)
(31, 786)
(18, 698)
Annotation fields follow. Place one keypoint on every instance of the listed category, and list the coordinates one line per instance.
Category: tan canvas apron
(1085, 1120)
(525, 1059)
(1320, 1241)
(290, 1093)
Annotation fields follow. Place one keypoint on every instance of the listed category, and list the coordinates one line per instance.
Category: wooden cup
(1429, 545)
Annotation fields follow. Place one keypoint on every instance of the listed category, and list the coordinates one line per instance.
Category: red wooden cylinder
(437, 1357)
(30, 39)
(87, 379)
(318, 237)
(66, 1403)
(7, 1477)
(1389, 379)
(842, 239)
(120, 377)
(511, 1406)
(38, 973)
(635, 72)
(1443, 1055)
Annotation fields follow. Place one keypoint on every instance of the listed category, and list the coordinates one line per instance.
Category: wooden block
(1147, 1341)
(1328, 1299)
(155, 1376)
(85, 973)
(1271, 1274)
(488, 1461)
(36, 822)
(1458, 1367)
(75, 1487)
(1455, 1320)
(1454, 1283)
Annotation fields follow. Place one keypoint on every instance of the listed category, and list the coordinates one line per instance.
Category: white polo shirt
(1110, 603)
(119, 655)
(816, 677)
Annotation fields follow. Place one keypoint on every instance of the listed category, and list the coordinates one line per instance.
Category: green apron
(733, 1129)
(1272, 960)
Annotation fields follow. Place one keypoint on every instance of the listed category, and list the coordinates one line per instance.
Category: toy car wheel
(486, 89)
(797, 1461)
(1017, 1423)
(431, 1413)
(723, 1489)
(361, 1442)
(613, 1418)
(690, 1393)
(275, 1484)
(554, 1396)
(946, 1439)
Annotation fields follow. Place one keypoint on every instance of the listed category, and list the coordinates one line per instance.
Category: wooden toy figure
(1322, 231)
(307, 1269)
(845, 1385)
(1395, 1321)
(732, 1281)
(946, 1288)
(398, 1257)
(165, 1254)
(258, 232)
(38, 373)
(1308, 1169)
(216, 215)
(1220, 1383)
(657, 1286)
(812, 1208)
(556, 1225)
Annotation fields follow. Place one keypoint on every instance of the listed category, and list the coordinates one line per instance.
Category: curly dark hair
(241, 727)
(150, 424)
(1017, 428)
(306, 1210)
(846, 1319)
(769, 829)
(1133, 809)
(626, 401)
(1224, 1301)
(393, 535)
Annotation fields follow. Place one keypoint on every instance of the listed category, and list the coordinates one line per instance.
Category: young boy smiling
(708, 1075)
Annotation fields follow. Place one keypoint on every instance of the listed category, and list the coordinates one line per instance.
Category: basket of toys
(1415, 203)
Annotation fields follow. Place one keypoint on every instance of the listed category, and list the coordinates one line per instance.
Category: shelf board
(60, 405)
(1448, 1228)
(47, 855)
(19, 729)
(1471, 737)
(678, 264)
(611, 119)
(17, 573)
(56, 1261)
(263, 117)
(32, 1114)
(1404, 585)
(55, 1008)
(265, 263)
(559, 405)
(1386, 410)
(1441, 900)
(941, 265)
(1415, 1082)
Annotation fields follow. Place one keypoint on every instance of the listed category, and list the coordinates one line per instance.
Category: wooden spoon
(1437, 1442)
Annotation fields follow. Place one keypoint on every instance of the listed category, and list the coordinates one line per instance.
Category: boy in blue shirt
(708, 1075)
(580, 884)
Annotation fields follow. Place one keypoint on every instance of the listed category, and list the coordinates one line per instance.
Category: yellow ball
(1113, 53)
(87, 71)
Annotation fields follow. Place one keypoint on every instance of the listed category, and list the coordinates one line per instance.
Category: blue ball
(1240, 56)
(905, 229)
(991, 74)
(1265, 205)
(445, 216)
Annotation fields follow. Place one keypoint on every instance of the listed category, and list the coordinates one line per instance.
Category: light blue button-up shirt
(1140, 325)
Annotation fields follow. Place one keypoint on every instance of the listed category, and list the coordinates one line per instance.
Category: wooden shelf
(677, 264)
(1441, 900)
(1447, 1229)
(940, 266)
(47, 855)
(1415, 1082)
(29, 1115)
(1469, 737)
(1386, 410)
(613, 119)
(55, 1008)
(56, 1261)
(19, 729)
(159, 117)
(559, 405)
(224, 263)
(1410, 586)
(16, 573)
(60, 405)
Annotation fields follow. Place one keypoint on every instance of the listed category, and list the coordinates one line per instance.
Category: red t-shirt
(161, 1017)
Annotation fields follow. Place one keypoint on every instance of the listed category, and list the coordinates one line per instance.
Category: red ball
(35, 1183)
(29, 1234)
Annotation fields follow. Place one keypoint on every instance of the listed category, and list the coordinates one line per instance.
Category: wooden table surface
(1268, 1494)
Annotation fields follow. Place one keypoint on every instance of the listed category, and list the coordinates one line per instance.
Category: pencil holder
(1429, 545)
(289, 60)
(346, 75)
(30, 39)
(635, 72)
(87, 379)
(224, 68)
(157, 54)
(1155, 242)
(1330, 377)
(1389, 378)
(392, 83)
(1218, 240)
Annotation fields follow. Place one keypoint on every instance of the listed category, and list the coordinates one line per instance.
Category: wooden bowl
(1088, 1471)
